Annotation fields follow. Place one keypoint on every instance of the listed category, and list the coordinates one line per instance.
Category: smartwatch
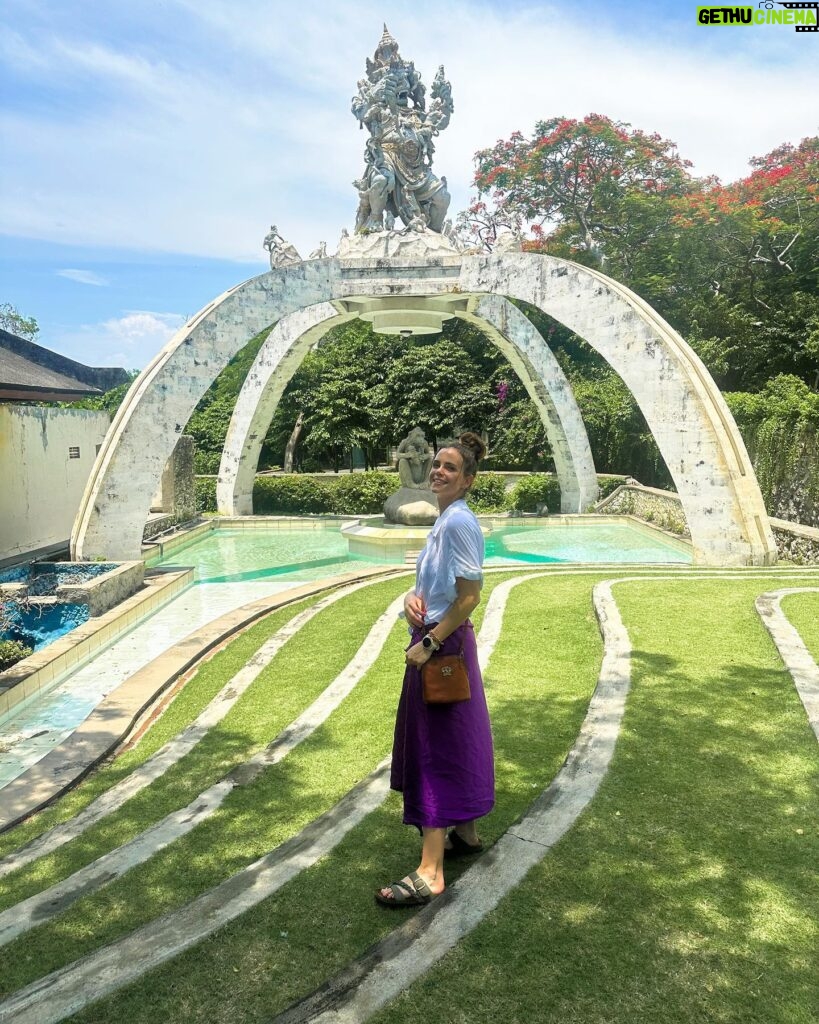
(429, 643)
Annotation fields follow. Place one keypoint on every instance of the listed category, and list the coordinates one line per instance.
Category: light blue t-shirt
(454, 548)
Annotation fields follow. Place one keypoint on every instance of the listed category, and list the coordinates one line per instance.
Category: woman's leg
(431, 868)
(468, 832)
(432, 858)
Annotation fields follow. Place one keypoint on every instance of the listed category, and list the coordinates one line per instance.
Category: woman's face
(446, 479)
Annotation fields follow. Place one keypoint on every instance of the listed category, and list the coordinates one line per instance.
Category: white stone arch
(681, 404)
(508, 329)
(683, 407)
(540, 372)
(276, 362)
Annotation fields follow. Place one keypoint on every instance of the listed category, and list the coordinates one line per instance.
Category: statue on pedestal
(398, 181)
(281, 252)
(414, 460)
(413, 504)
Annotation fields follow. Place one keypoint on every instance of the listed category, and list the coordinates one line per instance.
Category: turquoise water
(581, 542)
(233, 556)
(237, 556)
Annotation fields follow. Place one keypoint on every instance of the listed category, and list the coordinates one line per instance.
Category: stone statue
(398, 179)
(320, 253)
(413, 504)
(281, 252)
(414, 460)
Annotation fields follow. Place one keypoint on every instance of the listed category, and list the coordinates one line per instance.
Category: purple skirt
(442, 758)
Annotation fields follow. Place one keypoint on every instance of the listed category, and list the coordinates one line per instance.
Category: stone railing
(794, 542)
(662, 508)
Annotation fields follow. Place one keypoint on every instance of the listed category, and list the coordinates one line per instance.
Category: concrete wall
(41, 485)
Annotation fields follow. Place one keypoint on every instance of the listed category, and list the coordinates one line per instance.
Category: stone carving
(281, 252)
(398, 181)
(320, 253)
(414, 460)
(508, 241)
(413, 504)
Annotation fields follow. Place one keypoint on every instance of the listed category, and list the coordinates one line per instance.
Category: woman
(442, 758)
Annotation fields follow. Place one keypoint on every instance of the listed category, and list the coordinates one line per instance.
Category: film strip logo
(814, 6)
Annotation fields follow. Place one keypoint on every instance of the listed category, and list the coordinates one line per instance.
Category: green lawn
(686, 892)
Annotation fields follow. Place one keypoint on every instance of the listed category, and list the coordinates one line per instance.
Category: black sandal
(460, 847)
(416, 894)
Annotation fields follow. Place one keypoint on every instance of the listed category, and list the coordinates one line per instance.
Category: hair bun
(471, 441)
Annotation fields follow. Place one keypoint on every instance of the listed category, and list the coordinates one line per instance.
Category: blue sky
(148, 144)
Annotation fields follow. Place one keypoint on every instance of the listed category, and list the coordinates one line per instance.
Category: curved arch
(144, 432)
(532, 359)
(506, 327)
(276, 362)
(682, 406)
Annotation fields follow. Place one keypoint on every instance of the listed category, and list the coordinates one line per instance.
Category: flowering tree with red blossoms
(573, 184)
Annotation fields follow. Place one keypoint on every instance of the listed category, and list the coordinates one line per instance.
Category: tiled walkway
(41, 725)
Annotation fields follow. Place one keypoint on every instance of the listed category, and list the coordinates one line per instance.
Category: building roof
(32, 373)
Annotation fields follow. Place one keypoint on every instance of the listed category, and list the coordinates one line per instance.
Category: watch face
(427, 642)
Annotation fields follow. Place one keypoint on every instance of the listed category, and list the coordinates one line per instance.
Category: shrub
(533, 492)
(488, 495)
(205, 488)
(12, 651)
(360, 493)
(608, 485)
(291, 495)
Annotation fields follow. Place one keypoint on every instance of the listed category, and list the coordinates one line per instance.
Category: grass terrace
(685, 891)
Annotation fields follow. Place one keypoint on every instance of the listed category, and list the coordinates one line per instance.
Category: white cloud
(197, 148)
(130, 340)
(83, 277)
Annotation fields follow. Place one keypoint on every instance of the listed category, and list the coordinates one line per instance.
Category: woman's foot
(462, 843)
(412, 891)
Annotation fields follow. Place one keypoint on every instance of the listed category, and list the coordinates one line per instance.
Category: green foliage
(780, 427)
(488, 494)
(608, 485)
(533, 493)
(205, 493)
(211, 418)
(12, 651)
(110, 401)
(362, 493)
(13, 321)
(291, 495)
(734, 268)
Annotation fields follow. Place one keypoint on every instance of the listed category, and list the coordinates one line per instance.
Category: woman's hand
(414, 609)
(418, 655)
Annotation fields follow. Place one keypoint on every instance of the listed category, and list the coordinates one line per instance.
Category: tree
(580, 184)
(14, 322)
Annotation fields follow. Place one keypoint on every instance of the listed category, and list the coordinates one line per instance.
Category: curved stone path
(404, 955)
(44, 905)
(792, 649)
(65, 991)
(176, 748)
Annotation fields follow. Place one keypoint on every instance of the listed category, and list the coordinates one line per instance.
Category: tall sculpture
(398, 182)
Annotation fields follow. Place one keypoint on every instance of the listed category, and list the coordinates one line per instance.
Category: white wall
(40, 486)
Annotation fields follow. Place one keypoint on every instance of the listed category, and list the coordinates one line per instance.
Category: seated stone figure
(414, 460)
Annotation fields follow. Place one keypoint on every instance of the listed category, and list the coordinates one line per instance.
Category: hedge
(354, 494)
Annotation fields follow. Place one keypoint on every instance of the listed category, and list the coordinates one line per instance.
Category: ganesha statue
(398, 183)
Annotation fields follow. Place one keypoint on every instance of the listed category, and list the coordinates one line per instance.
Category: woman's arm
(414, 609)
(467, 599)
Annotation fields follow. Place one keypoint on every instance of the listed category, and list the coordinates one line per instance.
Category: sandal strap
(401, 892)
(421, 886)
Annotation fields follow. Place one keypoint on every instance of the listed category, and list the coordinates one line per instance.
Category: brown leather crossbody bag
(444, 679)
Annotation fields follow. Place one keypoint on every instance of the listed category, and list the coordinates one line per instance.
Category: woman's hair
(472, 450)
